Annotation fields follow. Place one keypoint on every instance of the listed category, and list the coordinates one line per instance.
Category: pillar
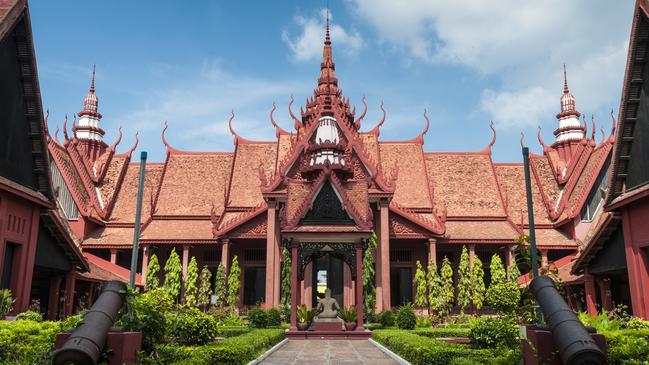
(225, 254)
(589, 286)
(544, 258)
(91, 293)
(637, 261)
(113, 256)
(22, 279)
(383, 260)
(185, 260)
(509, 258)
(348, 289)
(53, 300)
(272, 290)
(70, 282)
(432, 250)
(308, 286)
(294, 285)
(146, 251)
(471, 256)
(605, 293)
(359, 286)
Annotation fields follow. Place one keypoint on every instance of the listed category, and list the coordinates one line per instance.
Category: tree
(369, 290)
(286, 277)
(513, 272)
(498, 274)
(152, 270)
(478, 287)
(220, 286)
(234, 282)
(205, 291)
(464, 281)
(447, 294)
(191, 290)
(435, 300)
(173, 272)
(503, 294)
(420, 282)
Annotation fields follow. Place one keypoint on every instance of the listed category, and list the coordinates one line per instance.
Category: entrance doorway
(327, 273)
(400, 285)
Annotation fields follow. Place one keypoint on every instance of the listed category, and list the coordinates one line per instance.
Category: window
(63, 195)
(7, 266)
(596, 195)
(254, 285)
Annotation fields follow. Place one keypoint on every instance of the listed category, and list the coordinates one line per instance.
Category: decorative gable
(327, 209)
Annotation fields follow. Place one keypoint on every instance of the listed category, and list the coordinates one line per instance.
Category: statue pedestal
(328, 325)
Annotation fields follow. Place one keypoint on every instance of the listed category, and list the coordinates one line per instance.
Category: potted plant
(304, 317)
(6, 303)
(349, 315)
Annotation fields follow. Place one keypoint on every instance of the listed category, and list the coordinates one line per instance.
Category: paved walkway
(325, 352)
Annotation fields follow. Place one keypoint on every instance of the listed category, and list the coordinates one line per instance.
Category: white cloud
(307, 46)
(522, 44)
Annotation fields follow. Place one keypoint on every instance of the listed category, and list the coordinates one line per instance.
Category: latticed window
(597, 194)
(400, 256)
(254, 254)
(62, 194)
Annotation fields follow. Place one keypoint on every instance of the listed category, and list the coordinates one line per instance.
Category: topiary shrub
(273, 317)
(504, 297)
(494, 332)
(194, 327)
(386, 318)
(258, 318)
(27, 342)
(29, 316)
(146, 313)
(406, 318)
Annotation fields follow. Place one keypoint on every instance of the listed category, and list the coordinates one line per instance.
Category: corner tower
(570, 131)
(87, 130)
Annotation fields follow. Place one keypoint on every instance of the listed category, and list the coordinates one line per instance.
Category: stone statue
(328, 307)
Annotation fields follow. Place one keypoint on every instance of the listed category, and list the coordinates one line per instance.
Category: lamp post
(530, 219)
(138, 218)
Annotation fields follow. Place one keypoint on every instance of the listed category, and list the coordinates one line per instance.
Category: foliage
(419, 350)
(435, 300)
(173, 272)
(600, 322)
(386, 318)
(232, 320)
(29, 316)
(369, 289)
(372, 326)
(447, 290)
(442, 332)
(191, 290)
(146, 313)
(258, 317)
(636, 323)
(27, 342)
(349, 314)
(406, 318)
(503, 295)
(274, 317)
(494, 332)
(6, 302)
(305, 315)
(232, 331)
(513, 272)
(194, 327)
(420, 283)
(220, 286)
(423, 322)
(478, 288)
(152, 270)
(498, 273)
(234, 282)
(464, 281)
(205, 291)
(285, 295)
(628, 347)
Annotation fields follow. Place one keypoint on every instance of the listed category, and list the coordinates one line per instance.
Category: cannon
(86, 342)
(572, 339)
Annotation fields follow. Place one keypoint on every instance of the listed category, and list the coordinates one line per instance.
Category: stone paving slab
(328, 352)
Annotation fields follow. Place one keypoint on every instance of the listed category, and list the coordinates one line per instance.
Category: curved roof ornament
(56, 135)
(164, 138)
(592, 134)
(137, 141)
(278, 130)
(65, 128)
(234, 134)
(522, 140)
(423, 133)
(493, 140)
(538, 135)
(119, 139)
(585, 125)
(377, 128)
(45, 120)
(357, 123)
(611, 138)
(603, 135)
(296, 122)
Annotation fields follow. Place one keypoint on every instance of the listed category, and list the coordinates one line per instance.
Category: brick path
(324, 352)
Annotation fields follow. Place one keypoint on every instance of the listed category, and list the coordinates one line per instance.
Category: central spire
(327, 83)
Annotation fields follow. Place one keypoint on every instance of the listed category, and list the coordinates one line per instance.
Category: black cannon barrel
(84, 345)
(570, 336)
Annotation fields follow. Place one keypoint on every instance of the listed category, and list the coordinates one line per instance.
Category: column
(471, 255)
(637, 263)
(91, 293)
(70, 281)
(53, 300)
(294, 287)
(308, 286)
(348, 292)
(185, 260)
(509, 259)
(270, 297)
(544, 258)
(359, 286)
(225, 254)
(146, 251)
(22, 278)
(589, 286)
(113, 256)
(383, 261)
(605, 293)
(432, 250)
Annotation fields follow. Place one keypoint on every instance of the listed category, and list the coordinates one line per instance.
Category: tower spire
(88, 131)
(92, 83)
(570, 130)
(565, 80)
(327, 83)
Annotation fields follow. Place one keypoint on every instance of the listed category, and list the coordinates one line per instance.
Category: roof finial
(327, 27)
(92, 83)
(565, 80)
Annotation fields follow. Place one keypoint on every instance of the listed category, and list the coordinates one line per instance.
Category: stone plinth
(539, 347)
(123, 346)
(329, 335)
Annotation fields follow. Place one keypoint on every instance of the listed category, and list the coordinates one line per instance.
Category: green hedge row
(420, 350)
(628, 347)
(231, 351)
(27, 342)
(439, 332)
(232, 331)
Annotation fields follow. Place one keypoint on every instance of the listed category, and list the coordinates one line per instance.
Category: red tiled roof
(114, 173)
(480, 230)
(245, 184)
(512, 182)
(553, 237)
(178, 229)
(102, 270)
(124, 208)
(412, 183)
(110, 236)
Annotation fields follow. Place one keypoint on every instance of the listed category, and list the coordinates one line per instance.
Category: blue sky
(466, 61)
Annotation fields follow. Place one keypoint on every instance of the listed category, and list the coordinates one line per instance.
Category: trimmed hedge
(27, 342)
(440, 332)
(231, 351)
(628, 347)
(419, 350)
(232, 331)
